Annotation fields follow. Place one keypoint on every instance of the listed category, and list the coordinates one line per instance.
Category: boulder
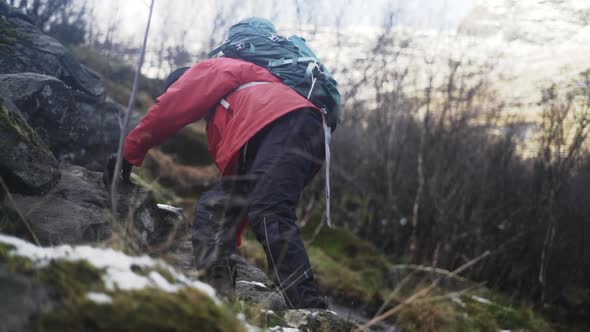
(48, 106)
(102, 138)
(26, 164)
(25, 48)
(77, 211)
(74, 211)
(150, 227)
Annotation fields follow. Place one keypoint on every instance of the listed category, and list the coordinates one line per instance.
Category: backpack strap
(327, 139)
(217, 50)
(223, 102)
(281, 62)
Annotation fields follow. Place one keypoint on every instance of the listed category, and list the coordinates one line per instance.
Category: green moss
(14, 263)
(71, 279)
(15, 123)
(145, 310)
(341, 282)
(445, 315)
(347, 248)
(506, 316)
(427, 317)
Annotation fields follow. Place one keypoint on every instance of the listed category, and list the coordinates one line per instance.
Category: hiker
(268, 141)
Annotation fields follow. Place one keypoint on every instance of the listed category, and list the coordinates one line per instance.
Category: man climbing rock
(268, 138)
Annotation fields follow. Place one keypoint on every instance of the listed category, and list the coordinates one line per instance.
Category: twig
(421, 268)
(20, 216)
(125, 123)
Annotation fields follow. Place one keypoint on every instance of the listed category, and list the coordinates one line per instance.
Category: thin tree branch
(123, 128)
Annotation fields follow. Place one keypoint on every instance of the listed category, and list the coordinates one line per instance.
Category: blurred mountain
(528, 44)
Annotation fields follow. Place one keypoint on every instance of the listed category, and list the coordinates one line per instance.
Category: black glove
(109, 170)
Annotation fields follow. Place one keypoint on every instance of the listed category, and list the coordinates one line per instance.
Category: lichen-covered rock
(48, 106)
(104, 290)
(75, 211)
(24, 48)
(26, 164)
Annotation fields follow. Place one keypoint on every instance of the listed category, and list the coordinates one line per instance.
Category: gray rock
(48, 106)
(24, 48)
(102, 139)
(22, 298)
(150, 226)
(77, 211)
(317, 320)
(74, 211)
(26, 164)
(254, 286)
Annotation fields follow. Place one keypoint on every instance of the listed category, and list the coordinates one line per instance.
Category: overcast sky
(195, 17)
(183, 14)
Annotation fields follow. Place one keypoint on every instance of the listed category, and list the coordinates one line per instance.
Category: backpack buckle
(274, 37)
(240, 46)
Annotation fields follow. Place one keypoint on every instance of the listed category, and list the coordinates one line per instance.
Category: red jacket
(198, 91)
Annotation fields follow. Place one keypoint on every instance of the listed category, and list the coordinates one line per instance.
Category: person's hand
(109, 170)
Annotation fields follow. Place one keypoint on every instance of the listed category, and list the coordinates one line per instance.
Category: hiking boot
(214, 241)
(288, 264)
(222, 276)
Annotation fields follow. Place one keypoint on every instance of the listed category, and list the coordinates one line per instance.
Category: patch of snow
(162, 283)
(116, 266)
(100, 298)
(170, 208)
(282, 329)
(481, 299)
(255, 283)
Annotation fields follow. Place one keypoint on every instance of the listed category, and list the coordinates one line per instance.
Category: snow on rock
(100, 298)
(253, 283)
(282, 329)
(118, 268)
(481, 299)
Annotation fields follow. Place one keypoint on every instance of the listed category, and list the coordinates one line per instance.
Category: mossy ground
(353, 273)
(142, 310)
(466, 314)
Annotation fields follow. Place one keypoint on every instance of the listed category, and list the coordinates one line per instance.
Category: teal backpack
(290, 59)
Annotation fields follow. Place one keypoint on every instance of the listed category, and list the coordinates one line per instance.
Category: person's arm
(186, 101)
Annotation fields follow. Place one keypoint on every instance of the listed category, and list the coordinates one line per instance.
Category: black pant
(275, 166)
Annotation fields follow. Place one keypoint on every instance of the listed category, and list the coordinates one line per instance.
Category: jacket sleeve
(186, 101)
